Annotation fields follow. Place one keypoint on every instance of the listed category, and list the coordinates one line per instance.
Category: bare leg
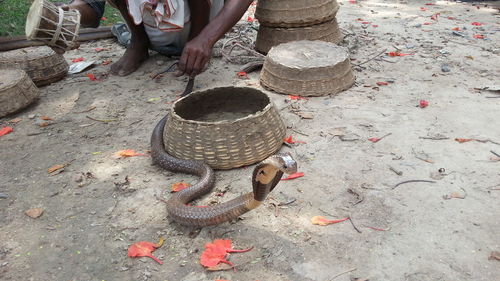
(137, 51)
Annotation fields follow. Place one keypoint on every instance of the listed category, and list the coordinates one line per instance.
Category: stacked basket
(283, 21)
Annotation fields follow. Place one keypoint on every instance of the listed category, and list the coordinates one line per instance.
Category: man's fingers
(181, 66)
(197, 66)
(190, 64)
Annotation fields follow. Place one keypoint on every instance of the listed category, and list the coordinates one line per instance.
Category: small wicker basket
(307, 68)
(268, 37)
(225, 127)
(16, 90)
(42, 64)
(295, 13)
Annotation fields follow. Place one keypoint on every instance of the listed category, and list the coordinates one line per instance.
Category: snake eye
(285, 166)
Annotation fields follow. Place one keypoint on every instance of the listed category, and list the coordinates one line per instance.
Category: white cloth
(166, 21)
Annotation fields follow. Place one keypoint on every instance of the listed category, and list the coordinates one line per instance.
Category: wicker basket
(225, 127)
(42, 64)
(268, 37)
(307, 68)
(16, 90)
(295, 13)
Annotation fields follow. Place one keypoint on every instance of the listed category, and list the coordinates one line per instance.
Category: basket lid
(308, 54)
(33, 19)
(10, 77)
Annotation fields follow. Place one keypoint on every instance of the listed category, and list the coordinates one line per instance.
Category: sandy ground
(406, 233)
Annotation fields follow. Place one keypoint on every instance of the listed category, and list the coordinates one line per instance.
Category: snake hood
(266, 176)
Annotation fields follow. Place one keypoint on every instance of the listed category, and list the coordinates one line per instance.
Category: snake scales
(266, 176)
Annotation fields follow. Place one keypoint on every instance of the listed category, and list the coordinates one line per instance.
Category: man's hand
(195, 56)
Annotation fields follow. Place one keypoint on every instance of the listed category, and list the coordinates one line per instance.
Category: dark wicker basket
(295, 13)
(16, 90)
(307, 68)
(43, 65)
(225, 127)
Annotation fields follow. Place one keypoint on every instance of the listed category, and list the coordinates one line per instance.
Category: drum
(52, 25)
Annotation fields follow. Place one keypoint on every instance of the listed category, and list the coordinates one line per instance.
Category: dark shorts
(98, 7)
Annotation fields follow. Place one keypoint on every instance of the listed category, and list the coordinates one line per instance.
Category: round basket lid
(33, 19)
(307, 68)
(26, 54)
(10, 77)
(308, 54)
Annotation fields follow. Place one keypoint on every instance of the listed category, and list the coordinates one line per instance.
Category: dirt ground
(412, 232)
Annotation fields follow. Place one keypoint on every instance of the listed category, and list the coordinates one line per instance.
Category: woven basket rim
(222, 122)
(17, 78)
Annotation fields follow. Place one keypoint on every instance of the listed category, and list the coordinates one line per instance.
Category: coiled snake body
(266, 176)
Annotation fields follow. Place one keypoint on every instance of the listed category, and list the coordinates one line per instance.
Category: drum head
(33, 19)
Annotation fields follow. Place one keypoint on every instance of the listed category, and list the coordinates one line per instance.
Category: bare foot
(131, 60)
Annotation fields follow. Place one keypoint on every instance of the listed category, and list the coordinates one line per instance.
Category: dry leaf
(495, 255)
(43, 124)
(128, 153)
(320, 220)
(178, 186)
(305, 115)
(46, 118)
(460, 140)
(34, 213)
(337, 132)
(216, 252)
(15, 120)
(55, 168)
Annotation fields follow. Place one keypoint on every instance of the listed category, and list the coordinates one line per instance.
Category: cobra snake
(266, 176)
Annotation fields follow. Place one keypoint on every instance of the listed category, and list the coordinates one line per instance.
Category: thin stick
(342, 273)
(409, 181)
(87, 110)
(494, 153)
(353, 225)
(102, 120)
(378, 54)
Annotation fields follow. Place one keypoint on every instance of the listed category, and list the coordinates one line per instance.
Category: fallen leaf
(423, 103)
(397, 54)
(292, 97)
(98, 50)
(320, 220)
(495, 255)
(34, 213)
(374, 140)
(46, 118)
(91, 76)
(460, 140)
(293, 176)
(6, 130)
(242, 75)
(423, 9)
(78, 60)
(43, 124)
(429, 4)
(128, 153)
(145, 249)
(476, 23)
(305, 115)
(216, 252)
(178, 186)
(427, 23)
(382, 83)
(250, 19)
(106, 62)
(15, 120)
(291, 141)
(55, 168)
(374, 25)
(435, 16)
(478, 36)
(456, 28)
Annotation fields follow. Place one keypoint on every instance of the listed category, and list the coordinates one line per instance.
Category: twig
(342, 273)
(494, 153)
(378, 54)
(434, 138)
(102, 120)
(410, 181)
(87, 110)
(399, 173)
(287, 203)
(353, 225)
(300, 133)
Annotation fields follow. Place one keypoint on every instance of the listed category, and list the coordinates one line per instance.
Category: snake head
(285, 163)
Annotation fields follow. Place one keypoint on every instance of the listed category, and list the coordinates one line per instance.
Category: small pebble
(31, 116)
(3, 195)
(445, 68)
